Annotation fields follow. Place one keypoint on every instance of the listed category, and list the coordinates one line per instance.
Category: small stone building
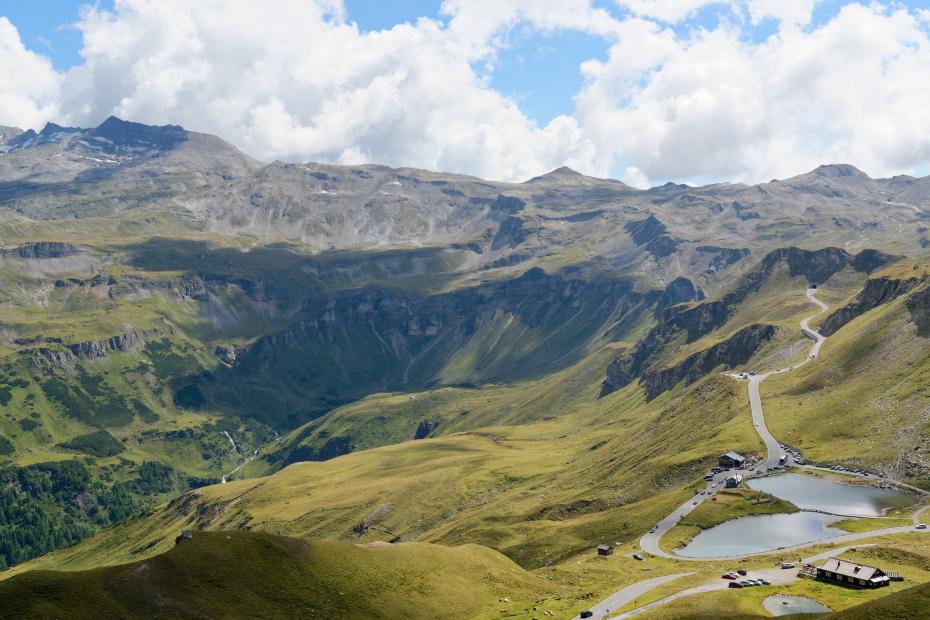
(605, 550)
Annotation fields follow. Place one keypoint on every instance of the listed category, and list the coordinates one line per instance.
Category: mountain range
(191, 339)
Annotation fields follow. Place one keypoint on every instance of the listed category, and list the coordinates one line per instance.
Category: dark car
(742, 572)
(587, 613)
(735, 584)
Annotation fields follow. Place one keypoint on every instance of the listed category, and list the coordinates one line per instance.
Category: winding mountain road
(650, 541)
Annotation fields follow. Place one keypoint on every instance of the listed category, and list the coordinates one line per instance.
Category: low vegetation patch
(100, 444)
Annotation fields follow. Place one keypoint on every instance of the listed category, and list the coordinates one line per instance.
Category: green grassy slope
(241, 575)
(866, 401)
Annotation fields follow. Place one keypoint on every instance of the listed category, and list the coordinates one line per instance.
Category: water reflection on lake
(814, 493)
(761, 533)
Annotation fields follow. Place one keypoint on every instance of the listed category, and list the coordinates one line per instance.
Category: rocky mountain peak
(564, 173)
(840, 171)
(117, 134)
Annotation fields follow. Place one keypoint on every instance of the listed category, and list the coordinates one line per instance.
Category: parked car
(745, 583)
(787, 565)
(638, 557)
(587, 613)
(735, 584)
(730, 576)
(921, 526)
(742, 572)
(764, 582)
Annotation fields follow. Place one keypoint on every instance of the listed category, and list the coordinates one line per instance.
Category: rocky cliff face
(125, 342)
(735, 350)
(918, 304)
(42, 249)
(876, 292)
(653, 235)
(701, 319)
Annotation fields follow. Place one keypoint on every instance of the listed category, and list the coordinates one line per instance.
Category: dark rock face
(652, 234)
(507, 204)
(876, 292)
(818, 265)
(699, 320)
(92, 349)
(644, 231)
(228, 355)
(426, 428)
(43, 249)
(680, 290)
(918, 305)
(723, 257)
(511, 233)
(117, 135)
(731, 352)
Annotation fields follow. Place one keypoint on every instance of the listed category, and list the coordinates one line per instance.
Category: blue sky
(682, 90)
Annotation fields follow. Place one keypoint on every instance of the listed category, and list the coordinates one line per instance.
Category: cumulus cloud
(695, 103)
(302, 82)
(714, 106)
(29, 86)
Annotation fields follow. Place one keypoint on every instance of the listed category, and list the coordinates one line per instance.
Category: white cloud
(301, 82)
(716, 106)
(696, 103)
(28, 84)
(667, 10)
(791, 12)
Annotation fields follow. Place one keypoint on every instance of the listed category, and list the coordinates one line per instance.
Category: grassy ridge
(240, 574)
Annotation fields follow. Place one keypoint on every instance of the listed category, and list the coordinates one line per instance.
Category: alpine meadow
(347, 359)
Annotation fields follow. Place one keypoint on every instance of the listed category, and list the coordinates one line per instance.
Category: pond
(809, 492)
(784, 605)
(761, 533)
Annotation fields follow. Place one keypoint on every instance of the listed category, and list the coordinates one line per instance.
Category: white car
(921, 526)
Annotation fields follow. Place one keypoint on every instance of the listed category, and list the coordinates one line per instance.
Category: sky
(645, 91)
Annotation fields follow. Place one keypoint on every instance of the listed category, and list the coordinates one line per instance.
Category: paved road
(650, 541)
(773, 447)
(776, 576)
(629, 594)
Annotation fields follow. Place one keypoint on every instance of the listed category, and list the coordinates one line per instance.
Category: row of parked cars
(737, 581)
(795, 455)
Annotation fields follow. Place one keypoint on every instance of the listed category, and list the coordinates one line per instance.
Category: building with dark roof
(850, 573)
(731, 460)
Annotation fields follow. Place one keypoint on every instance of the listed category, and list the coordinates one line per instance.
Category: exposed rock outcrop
(49, 359)
(92, 349)
(701, 319)
(228, 355)
(876, 292)
(42, 249)
(426, 428)
(735, 350)
(721, 258)
(652, 234)
(918, 304)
